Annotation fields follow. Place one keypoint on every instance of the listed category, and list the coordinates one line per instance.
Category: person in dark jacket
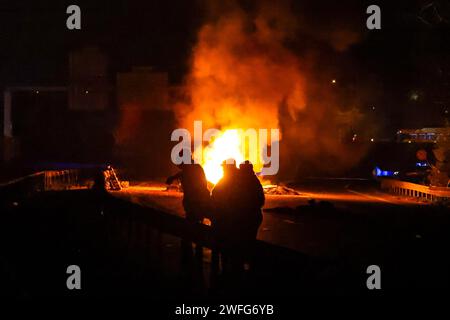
(237, 201)
(223, 197)
(250, 201)
(196, 197)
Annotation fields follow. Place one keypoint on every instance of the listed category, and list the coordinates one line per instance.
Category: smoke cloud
(241, 71)
(259, 66)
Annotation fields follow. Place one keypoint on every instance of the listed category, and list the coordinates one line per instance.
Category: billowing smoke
(253, 67)
(241, 71)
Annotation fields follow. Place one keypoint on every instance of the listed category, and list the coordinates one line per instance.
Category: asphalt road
(349, 218)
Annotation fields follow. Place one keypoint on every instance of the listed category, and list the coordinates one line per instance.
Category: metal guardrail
(62, 180)
(57, 180)
(409, 189)
(32, 176)
(49, 180)
(79, 178)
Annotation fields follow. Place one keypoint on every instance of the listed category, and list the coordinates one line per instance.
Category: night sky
(408, 61)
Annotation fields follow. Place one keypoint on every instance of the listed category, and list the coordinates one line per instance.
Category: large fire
(231, 144)
(224, 147)
(241, 72)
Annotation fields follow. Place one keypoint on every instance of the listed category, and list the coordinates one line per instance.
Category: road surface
(341, 223)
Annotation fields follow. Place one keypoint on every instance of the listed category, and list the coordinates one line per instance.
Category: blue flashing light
(384, 173)
(421, 164)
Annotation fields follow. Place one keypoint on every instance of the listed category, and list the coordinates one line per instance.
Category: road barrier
(56, 180)
(409, 189)
(61, 179)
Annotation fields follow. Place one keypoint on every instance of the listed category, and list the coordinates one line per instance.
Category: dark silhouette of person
(237, 201)
(223, 197)
(250, 201)
(196, 198)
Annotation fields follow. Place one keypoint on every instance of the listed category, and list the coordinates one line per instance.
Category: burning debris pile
(275, 189)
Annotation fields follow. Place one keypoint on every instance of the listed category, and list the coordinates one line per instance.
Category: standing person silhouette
(224, 203)
(196, 199)
(237, 201)
(250, 200)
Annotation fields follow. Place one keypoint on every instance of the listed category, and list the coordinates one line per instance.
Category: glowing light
(333, 81)
(421, 164)
(226, 146)
(384, 173)
(414, 96)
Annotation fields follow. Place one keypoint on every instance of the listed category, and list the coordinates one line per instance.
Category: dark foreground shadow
(124, 249)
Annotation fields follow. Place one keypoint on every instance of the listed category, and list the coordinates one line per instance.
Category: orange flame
(241, 73)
